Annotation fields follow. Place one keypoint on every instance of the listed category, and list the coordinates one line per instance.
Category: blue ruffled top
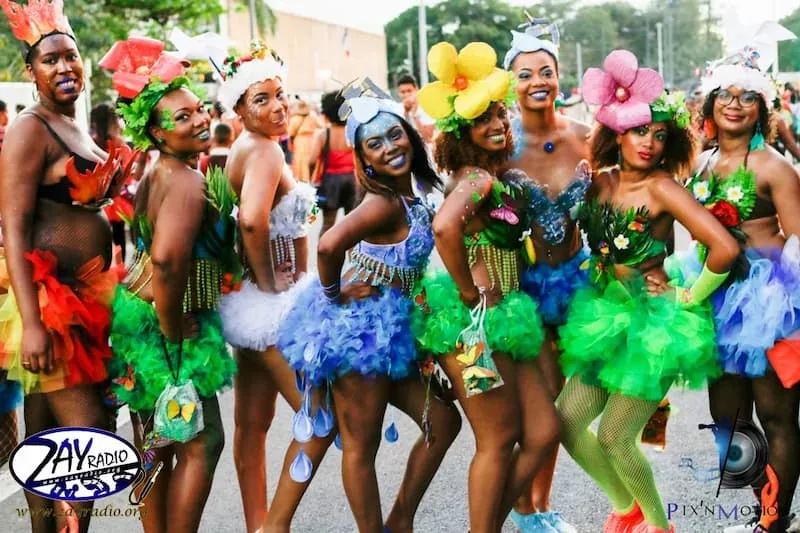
(406, 259)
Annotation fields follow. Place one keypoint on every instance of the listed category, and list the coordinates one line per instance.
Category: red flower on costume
(725, 213)
(136, 62)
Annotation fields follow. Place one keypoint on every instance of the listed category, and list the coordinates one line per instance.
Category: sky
(371, 15)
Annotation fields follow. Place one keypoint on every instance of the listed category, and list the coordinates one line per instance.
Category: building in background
(321, 56)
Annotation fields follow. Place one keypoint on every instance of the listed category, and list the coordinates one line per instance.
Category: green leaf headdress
(143, 74)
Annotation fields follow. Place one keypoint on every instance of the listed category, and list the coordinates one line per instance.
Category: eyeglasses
(746, 99)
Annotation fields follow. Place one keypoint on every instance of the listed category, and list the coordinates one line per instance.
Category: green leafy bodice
(617, 236)
(738, 190)
(508, 216)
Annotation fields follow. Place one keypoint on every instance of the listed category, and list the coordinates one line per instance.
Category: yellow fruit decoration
(468, 82)
(530, 251)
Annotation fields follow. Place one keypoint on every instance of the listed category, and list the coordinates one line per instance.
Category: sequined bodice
(554, 216)
(406, 259)
(294, 213)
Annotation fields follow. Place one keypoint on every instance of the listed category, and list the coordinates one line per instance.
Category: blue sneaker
(557, 522)
(532, 523)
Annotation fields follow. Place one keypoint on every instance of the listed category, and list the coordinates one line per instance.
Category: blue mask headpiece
(529, 40)
(363, 101)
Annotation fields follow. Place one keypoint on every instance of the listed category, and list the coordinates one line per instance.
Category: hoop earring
(35, 92)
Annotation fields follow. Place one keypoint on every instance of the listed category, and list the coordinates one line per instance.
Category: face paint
(380, 131)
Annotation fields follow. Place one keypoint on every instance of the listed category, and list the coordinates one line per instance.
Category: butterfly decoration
(506, 214)
(186, 411)
(471, 354)
(478, 379)
(128, 382)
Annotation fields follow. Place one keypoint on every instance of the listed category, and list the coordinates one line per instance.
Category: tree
(456, 21)
(598, 28)
(266, 19)
(789, 51)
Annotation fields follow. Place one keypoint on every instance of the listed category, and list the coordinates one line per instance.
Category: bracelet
(331, 292)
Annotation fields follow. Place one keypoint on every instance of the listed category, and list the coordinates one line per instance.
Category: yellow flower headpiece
(468, 82)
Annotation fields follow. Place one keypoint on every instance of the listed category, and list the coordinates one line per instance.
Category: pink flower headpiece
(138, 61)
(624, 91)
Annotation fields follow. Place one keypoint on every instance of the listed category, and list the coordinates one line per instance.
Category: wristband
(704, 287)
(331, 292)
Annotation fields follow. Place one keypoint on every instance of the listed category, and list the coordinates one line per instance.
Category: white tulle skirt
(251, 318)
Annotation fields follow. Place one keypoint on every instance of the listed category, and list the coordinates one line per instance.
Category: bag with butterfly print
(178, 414)
(480, 374)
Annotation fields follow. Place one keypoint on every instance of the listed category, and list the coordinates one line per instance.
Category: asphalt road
(693, 504)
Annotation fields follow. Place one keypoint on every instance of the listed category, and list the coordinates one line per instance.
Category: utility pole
(410, 49)
(670, 45)
(660, 39)
(253, 19)
(423, 44)
(579, 60)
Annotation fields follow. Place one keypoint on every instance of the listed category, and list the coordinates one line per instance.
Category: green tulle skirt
(513, 326)
(139, 370)
(637, 345)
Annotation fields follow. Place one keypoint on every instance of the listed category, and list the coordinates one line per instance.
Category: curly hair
(452, 153)
(420, 167)
(765, 116)
(331, 102)
(678, 151)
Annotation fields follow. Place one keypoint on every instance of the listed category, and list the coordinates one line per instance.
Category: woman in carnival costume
(754, 192)
(543, 139)
(57, 245)
(623, 347)
(476, 307)
(351, 330)
(274, 215)
(170, 358)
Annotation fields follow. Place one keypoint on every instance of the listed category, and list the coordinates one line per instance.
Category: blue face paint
(380, 132)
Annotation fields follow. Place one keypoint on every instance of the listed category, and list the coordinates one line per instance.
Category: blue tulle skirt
(752, 314)
(370, 336)
(552, 287)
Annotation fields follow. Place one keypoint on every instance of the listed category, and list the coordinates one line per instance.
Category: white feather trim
(251, 318)
(290, 218)
(745, 78)
(247, 74)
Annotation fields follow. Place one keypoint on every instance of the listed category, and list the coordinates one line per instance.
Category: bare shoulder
(466, 174)
(663, 185)
(771, 166)
(24, 128)
(579, 129)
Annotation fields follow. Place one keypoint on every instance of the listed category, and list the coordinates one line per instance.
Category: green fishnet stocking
(612, 458)
(578, 405)
(618, 435)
